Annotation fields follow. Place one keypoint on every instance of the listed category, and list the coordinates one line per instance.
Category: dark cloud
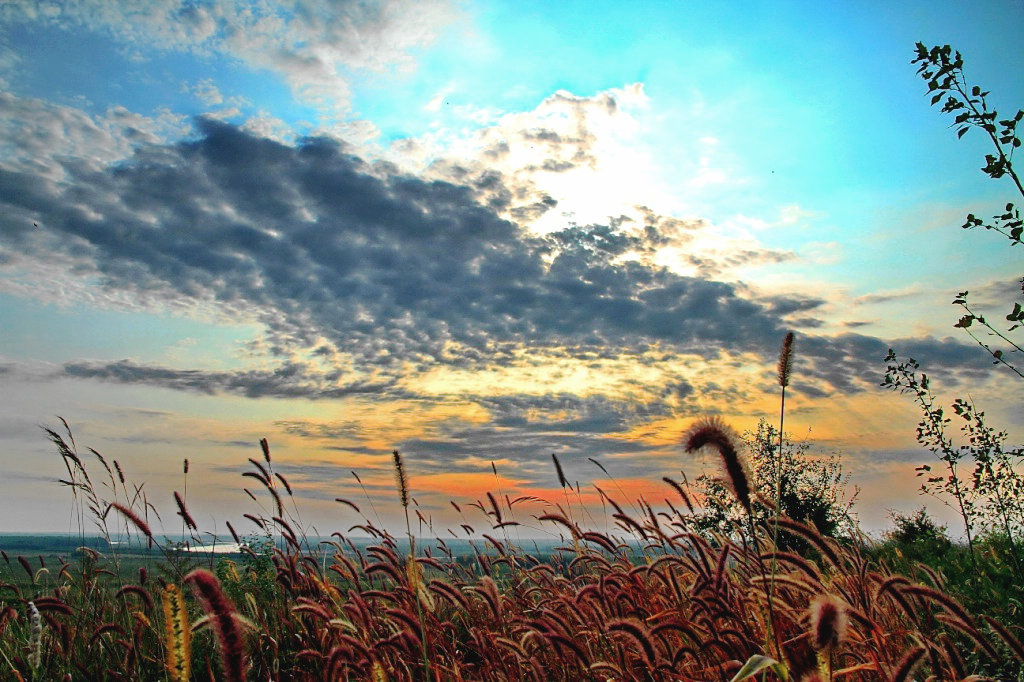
(290, 380)
(460, 449)
(789, 304)
(308, 429)
(807, 322)
(851, 362)
(996, 296)
(398, 272)
(717, 264)
(556, 166)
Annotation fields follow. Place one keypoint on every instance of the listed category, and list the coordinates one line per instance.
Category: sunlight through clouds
(474, 232)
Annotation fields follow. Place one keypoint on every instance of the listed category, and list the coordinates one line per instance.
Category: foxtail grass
(783, 371)
(412, 568)
(908, 664)
(35, 651)
(713, 432)
(183, 512)
(224, 622)
(177, 634)
(691, 607)
(828, 627)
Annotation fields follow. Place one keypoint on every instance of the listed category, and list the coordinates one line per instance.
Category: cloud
(327, 431)
(314, 45)
(388, 273)
(45, 139)
(565, 142)
(849, 362)
(207, 92)
(569, 413)
(996, 295)
(887, 296)
(290, 380)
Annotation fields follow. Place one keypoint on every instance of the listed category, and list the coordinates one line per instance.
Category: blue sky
(482, 232)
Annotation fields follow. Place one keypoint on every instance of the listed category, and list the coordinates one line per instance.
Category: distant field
(51, 550)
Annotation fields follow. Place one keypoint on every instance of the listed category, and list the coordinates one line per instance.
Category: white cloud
(206, 91)
(822, 253)
(265, 125)
(43, 137)
(586, 161)
(314, 45)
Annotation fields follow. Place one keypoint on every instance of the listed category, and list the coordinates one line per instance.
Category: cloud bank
(384, 273)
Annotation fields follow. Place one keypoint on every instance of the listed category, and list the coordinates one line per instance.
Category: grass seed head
(35, 655)
(786, 360)
(134, 518)
(183, 511)
(562, 480)
(829, 620)
(223, 619)
(401, 480)
(177, 633)
(712, 431)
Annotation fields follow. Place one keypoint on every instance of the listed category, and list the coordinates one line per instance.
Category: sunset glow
(481, 233)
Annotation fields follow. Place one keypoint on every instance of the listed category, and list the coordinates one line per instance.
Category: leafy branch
(967, 321)
(931, 433)
(942, 69)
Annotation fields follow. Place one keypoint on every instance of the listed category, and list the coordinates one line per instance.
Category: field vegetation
(756, 571)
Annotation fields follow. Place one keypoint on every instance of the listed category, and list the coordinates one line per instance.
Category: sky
(481, 233)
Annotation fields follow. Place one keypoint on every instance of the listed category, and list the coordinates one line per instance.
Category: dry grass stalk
(681, 606)
(35, 619)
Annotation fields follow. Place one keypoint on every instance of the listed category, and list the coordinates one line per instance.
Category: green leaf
(960, 133)
(754, 665)
(965, 321)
